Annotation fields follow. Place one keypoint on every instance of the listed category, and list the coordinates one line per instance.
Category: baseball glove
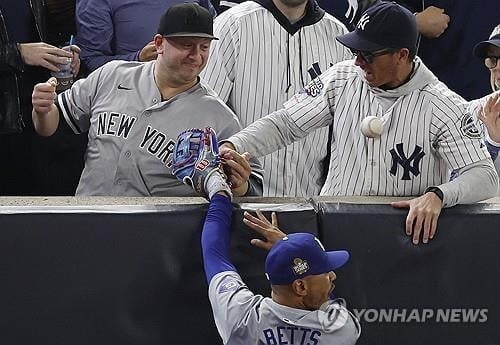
(196, 162)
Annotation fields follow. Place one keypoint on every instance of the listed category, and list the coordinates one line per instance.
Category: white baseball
(372, 127)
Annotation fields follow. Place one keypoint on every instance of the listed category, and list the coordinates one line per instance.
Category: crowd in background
(124, 30)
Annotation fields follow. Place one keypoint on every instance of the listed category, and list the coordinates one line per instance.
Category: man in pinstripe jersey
(269, 50)
(419, 130)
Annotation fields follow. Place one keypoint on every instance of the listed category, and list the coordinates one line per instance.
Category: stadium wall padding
(136, 278)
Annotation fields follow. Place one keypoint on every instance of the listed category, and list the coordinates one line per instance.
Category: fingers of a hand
(241, 170)
(433, 227)
(417, 228)
(75, 49)
(410, 220)
(236, 179)
(226, 146)
(255, 226)
(60, 52)
(58, 60)
(50, 66)
(252, 218)
(262, 217)
(261, 244)
(261, 224)
(426, 230)
(274, 219)
(401, 204)
(496, 104)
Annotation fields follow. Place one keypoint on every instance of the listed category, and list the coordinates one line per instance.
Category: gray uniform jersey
(132, 132)
(243, 318)
(257, 65)
(427, 131)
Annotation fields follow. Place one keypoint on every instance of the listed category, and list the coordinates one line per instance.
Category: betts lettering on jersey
(408, 164)
(291, 335)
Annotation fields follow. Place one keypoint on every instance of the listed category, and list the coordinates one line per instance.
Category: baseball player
(134, 111)
(297, 266)
(397, 130)
(268, 51)
(301, 275)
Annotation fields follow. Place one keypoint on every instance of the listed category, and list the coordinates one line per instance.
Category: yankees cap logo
(365, 19)
(121, 87)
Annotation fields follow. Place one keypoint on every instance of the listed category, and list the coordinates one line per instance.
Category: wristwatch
(436, 191)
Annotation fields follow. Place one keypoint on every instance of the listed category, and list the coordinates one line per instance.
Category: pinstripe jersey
(427, 131)
(260, 61)
(132, 132)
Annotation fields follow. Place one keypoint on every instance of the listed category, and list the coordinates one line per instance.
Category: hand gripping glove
(196, 162)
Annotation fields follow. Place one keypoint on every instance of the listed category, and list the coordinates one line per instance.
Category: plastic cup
(65, 75)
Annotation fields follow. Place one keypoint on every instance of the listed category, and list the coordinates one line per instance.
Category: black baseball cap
(481, 47)
(187, 20)
(385, 25)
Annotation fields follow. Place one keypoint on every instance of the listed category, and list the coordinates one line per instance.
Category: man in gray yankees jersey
(301, 275)
(268, 50)
(134, 112)
(397, 130)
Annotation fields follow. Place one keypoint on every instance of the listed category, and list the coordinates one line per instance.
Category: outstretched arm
(215, 237)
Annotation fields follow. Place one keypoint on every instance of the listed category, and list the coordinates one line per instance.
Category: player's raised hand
(268, 230)
(432, 22)
(44, 55)
(490, 116)
(237, 168)
(422, 218)
(44, 95)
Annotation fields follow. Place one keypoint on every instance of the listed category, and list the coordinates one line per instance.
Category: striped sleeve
(458, 139)
(219, 71)
(311, 108)
(75, 104)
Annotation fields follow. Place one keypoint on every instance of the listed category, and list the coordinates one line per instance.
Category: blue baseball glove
(196, 162)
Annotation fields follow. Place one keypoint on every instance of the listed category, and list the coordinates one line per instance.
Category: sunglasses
(491, 61)
(368, 57)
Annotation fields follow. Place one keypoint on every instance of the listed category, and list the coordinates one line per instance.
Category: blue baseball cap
(299, 255)
(385, 25)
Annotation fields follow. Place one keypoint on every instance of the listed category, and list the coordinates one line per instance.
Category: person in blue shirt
(120, 29)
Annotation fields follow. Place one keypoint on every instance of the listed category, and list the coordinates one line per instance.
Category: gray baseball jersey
(243, 318)
(427, 131)
(132, 132)
(258, 63)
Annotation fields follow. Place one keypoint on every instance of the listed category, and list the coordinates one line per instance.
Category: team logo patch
(300, 266)
(230, 284)
(468, 127)
(409, 164)
(314, 88)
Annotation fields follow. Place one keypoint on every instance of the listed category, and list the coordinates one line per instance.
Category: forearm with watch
(475, 182)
